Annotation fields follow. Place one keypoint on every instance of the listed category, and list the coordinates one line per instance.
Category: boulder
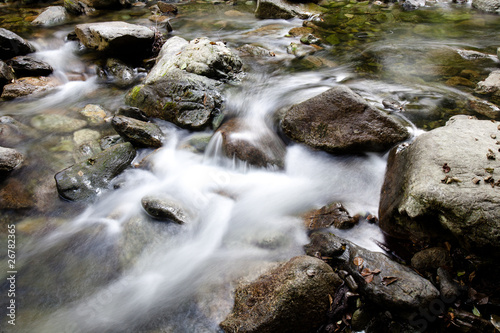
(490, 6)
(257, 146)
(121, 39)
(443, 186)
(26, 86)
(333, 214)
(86, 179)
(29, 66)
(490, 87)
(381, 280)
(293, 297)
(137, 132)
(6, 74)
(53, 15)
(199, 56)
(165, 208)
(185, 99)
(281, 9)
(340, 121)
(57, 123)
(12, 45)
(9, 160)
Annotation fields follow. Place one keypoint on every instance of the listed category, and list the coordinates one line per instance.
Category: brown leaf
(358, 261)
(446, 168)
(387, 280)
(366, 272)
(376, 271)
(369, 278)
(472, 276)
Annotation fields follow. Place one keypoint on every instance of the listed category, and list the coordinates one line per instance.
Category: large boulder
(490, 6)
(12, 45)
(29, 66)
(86, 179)
(26, 86)
(199, 56)
(340, 121)
(52, 15)
(188, 100)
(257, 146)
(291, 298)
(139, 133)
(122, 39)
(443, 185)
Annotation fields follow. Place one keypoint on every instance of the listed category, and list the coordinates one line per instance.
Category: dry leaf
(366, 272)
(376, 271)
(369, 278)
(80, 173)
(387, 280)
(358, 261)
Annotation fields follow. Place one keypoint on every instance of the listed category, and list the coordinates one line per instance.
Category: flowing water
(105, 267)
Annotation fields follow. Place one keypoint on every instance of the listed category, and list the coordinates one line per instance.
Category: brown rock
(333, 214)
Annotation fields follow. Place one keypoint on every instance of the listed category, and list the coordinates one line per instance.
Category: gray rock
(139, 133)
(196, 142)
(110, 140)
(419, 199)
(188, 100)
(431, 259)
(199, 56)
(122, 39)
(250, 50)
(290, 298)
(165, 208)
(490, 87)
(6, 74)
(27, 86)
(53, 15)
(266, 149)
(86, 150)
(132, 112)
(333, 214)
(86, 179)
(29, 66)
(94, 114)
(281, 9)
(395, 287)
(490, 6)
(57, 123)
(449, 289)
(12, 45)
(9, 160)
(120, 74)
(85, 135)
(340, 121)
(484, 108)
(13, 132)
(325, 244)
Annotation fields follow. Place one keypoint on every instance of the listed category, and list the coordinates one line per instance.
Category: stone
(94, 114)
(490, 87)
(27, 86)
(333, 214)
(431, 259)
(490, 6)
(185, 99)
(325, 244)
(14, 195)
(484, 108)
(85, 135)
(196, 142)
(165, 208)
(132, 112)
(280, 9)
(6, 74)
(250, 50)
(124, 40)
(293, 297)
(29, 66)
(257, 146)
(167, 8)
(57, 123)
(51, 16)
(84, 180)
(429, 190)
(13, 132)
(199, 56)
(110, 140)
(120, 74)
(10, 159)
(449, 289)
(139, 133)
(460, 81)
(12, 45)
(340, 121)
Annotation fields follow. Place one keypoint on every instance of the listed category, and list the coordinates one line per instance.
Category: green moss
(134, 92)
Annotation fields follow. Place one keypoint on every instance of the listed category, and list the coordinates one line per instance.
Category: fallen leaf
(80, 173)
(366, 272)
(472, 276)
(446, 168)
(369, 278)
(376, 271)
(358, 261)
(476, 312)
(387, 280)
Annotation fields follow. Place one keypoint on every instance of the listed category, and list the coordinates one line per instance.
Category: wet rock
(333, 214)
(29, 66)
(12, 45)
(132, 112)
(280, 9)
(6, 74)
(490, 6)
(325, 245)
(196, 142)
(340, 121)
(490, 87)
(94, 114)
(165, 208)
(110, 140)
(120, 74)
(86, 179)
(484, 108)
(57, 123)
(460, 81)
(14, 195)
(13, 132)
(300, 50)
(290, 298)
(86, 150)
(167, 8)
(9, 160)
(199, 56)
(419, 199)
(139, 133)
(448, 288)
(85, 135)
(53, 15)
(28, 86)
(381, 280)
(256, 146)
(185, 99)
(250, 50)
(431, 259)
(124, 40)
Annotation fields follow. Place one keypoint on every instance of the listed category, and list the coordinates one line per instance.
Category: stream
(104, 266)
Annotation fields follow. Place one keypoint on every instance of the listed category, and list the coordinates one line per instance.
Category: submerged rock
(484, 108)
(57, 123)
(281, 9)
(95, 114)
(340, 121)
(84, 180)
(290, 298)
(165, 208)
(490, 87)
(9, 160)
(139, 133)
(12, 45)
(51, 16)
(120, 74)
(26, 86)
(29, 66)
(443, 185)
(490, 6)
(333, 214)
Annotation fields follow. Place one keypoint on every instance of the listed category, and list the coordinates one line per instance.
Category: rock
(188, 100)
(420, 199)
(13, 132)
(325, 244)
(124, 40)
(9, 160)
(120, 74)
(448, 288)
(29, 66)
(57, 123)
(460, 81)
(199, 56)
(490, 6)
(132, 112)
(77, 7)
(280, 9)
(250, 50)
(86, 179)
(165, 208)
(431, 259)
(167, 8)
(6, 74)
(12, 45)
(196, 142)
(85, 135)
(95, 114)
(256, 146)
(333, 214)
(14, 195)
(53, 15)
(139, 133)
(300, 50)
(340, 121)
(395, 287)
(290, 298)
(86, 149)
(26, 86)
(484, 108)
(490, 87)
(110, 140)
